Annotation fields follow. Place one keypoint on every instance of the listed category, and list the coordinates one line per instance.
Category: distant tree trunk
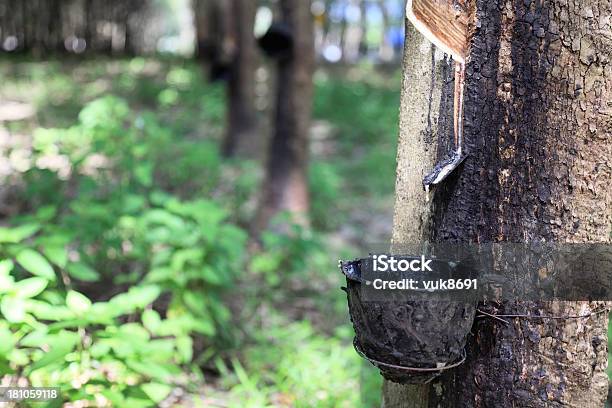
(343, 37)
(90, 32)
(537, 127)
(241, 128)
(44, 26)
(56, 27)
(128, 46)
(363, 26)
(26, 31)
(286, 185)
(386, 48)
(207, 24)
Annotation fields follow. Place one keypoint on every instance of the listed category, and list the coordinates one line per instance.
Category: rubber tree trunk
(209, 26)
(42, 27)
(242, 130)
(286, 186)
(202, 25)
(537, 128)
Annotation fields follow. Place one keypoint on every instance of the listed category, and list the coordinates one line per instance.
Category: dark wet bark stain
(514, 187)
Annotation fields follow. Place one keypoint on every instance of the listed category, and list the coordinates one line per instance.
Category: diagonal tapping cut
(446, 24)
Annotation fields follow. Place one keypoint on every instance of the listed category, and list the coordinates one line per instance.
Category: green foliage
(57, 336)
(119, 219)
(285, 255)
(325, 185)
(293, 365)
(367, 129)
(115, 275)
(194, 254)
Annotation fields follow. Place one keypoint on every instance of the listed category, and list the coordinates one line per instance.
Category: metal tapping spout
(446, 24)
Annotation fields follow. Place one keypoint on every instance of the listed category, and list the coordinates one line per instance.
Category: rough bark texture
(538, 122)
(287, 182)
(426, 112)
(241, 82)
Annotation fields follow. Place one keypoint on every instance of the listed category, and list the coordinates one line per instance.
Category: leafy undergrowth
(126, 277)
(294, 366)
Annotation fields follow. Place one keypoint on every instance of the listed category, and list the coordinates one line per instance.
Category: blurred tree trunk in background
(215, 38)
(226, 44)
(386, 49)
(242, 126)
(342, 33)
(537, 128)
(58, 26)
(286, 185)
(209, 28)
(363, 27)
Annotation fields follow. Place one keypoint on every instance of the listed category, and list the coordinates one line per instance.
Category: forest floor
(291, 337)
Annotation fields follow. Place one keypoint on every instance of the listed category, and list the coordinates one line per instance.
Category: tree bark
(43, 26)
(286, 186)
(424, 113)
(207, 21)
(537, 128)
(242, 129)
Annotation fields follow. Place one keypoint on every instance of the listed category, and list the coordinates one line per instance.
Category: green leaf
(134, 402)
(28, 288)
(162, 217)
(13, 309)
(99, 349)
(68, 323)
(138, 297)
(83, 272)
(60, 345)
(195, 302)
(204, 327)
(6, 280)
(156, 391)
(18, 357)
(265, 262)
(115, 397)
(210, 276)
(56, 254)
(6, 283)
(36, 264)
(158, 274)
(18, 234)
(36, 338)
(45, 311)
(150, 369)
(161, 350)
(144, 174)
(77, 302)
(143, 296)
(102, 312)
(182, 257)
(134, 331)
(6, 266)
(46, 213)
(6, 341)
(151, 320)
(184, 346)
